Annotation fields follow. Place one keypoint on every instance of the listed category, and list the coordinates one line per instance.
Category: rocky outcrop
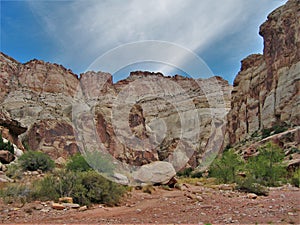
(11, 129)
(144, 118)
(38, 96)
(149, 117)
(266, 90)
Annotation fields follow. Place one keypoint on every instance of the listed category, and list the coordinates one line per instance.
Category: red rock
(58, 206)
(265, 91)
(6, 157)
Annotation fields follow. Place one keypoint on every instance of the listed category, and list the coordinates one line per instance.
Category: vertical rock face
(266, 90)
(39, 96)
(143, 118)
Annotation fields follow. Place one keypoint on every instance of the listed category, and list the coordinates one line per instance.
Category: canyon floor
(192, 204)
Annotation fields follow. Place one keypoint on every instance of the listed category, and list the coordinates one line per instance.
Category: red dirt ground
(194, 205)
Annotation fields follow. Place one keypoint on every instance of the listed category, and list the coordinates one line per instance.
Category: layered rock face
(149, 117)
(141, 119)
(38, 95)
(266, 90)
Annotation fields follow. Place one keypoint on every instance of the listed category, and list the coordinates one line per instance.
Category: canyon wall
(266, 90)
(138, 120)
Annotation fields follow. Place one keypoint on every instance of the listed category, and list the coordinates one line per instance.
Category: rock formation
(138, 120)
(266, 90)
(150, 117)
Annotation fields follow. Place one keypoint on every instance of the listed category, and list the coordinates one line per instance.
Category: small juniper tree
(226, 167)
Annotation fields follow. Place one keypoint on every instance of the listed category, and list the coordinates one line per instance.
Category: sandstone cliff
(266, 90)
(138, 120)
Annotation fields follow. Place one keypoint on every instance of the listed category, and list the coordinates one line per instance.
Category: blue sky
(75, 33)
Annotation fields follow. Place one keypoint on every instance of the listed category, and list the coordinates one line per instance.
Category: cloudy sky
(75, 33)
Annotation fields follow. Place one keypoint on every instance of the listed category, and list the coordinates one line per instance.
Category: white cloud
(87, 29)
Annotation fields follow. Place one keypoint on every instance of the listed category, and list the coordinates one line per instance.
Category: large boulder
(158, 172)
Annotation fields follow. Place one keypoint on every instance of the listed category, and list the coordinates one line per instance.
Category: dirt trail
(196, 204)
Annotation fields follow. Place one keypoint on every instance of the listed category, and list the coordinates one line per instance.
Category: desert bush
(249, 185)
(196, 174)
(101, 190)
(267, 168)
(14, 171)
(266, 132)
(77, 163)
(84, 187)
(295, 179)
(46, 189)
(186, 172)
(6, 146)
(33, 160)
(225, 168)
(275, 129)
(15, 193)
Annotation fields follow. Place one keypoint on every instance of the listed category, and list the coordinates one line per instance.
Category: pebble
(45, 210)
(251, 196)
(83, 208)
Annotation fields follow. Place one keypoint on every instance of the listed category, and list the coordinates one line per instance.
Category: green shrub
(6, 146)
(295, 180)
(279, 128)
(295, 150)
(196, 174)
(14, 193)
(186, 172)
(78, 163)
(266, 132)
(101, 190)
(267, 168)
(33, 160)
(84, 187)
(14, 171)
(248, 185)
(46, 189)
(275, 129)
(225, 168)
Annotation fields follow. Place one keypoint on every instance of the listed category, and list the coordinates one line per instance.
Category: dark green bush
(6, 146)
(196, 174)
(266, 132)
(84, 187)
(33, 160)
(186, 172)
(78, 163)
(101, 190)
(275, 129)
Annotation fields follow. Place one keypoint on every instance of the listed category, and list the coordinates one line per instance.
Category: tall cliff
(266, 90)
(145, 106)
